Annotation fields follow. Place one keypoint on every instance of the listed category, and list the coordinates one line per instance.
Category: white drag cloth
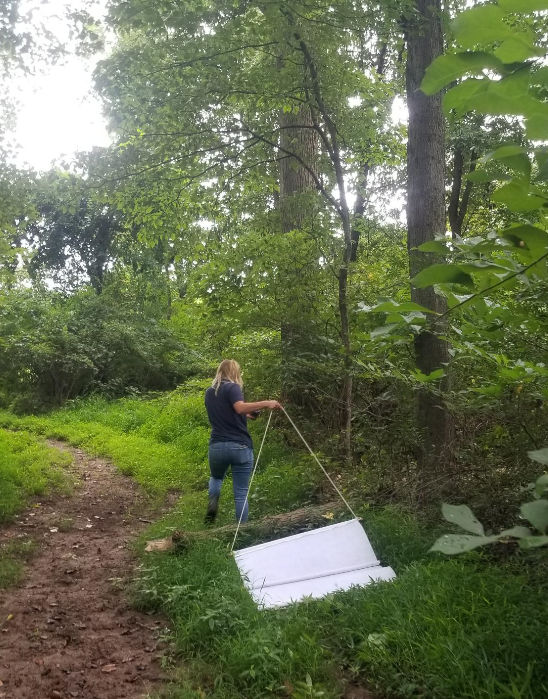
(312, 564)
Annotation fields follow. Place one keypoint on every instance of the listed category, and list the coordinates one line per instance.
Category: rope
(320, 465)
(250, 482)
(255, 468)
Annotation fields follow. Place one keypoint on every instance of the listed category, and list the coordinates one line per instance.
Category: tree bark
(425, 220)
(359, 208)
(298, 138)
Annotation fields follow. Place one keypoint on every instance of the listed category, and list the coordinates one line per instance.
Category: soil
(68, 630)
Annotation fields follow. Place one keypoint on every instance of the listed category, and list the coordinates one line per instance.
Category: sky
(57, 112)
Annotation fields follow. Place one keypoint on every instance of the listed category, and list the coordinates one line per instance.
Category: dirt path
(68, 630)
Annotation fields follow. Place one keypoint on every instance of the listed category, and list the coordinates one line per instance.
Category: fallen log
(265, 529)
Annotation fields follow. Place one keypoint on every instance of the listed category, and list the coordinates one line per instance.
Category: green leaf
(533, 542)
(484, 269)
(541, 484)
(449, 67)
(382, 330)
(481, 176)
(442, 274)
(539, 76)
(517, 197)
(480, 25)
(517, 48)
(410, 318)
(540, 455)
(522, 6)
(514, 156)
(541, 155)
(459, 543)
(459, 98)
(510, 95)
(462, 516)
(428, 378)
(527, 237)
(536, 513)
(457, 299)
(516, 532)
(439, 246)
(536, 124)
(504, 152)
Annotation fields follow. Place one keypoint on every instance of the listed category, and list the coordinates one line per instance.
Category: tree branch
(198, 59)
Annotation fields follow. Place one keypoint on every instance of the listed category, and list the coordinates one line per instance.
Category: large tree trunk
(297, 137)
(425, 220)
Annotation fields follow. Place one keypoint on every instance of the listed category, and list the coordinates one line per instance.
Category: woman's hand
(273, 405)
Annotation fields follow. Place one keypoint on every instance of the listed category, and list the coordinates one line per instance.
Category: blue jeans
(239, 457)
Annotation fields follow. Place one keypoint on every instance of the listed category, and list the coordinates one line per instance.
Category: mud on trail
(67, 630)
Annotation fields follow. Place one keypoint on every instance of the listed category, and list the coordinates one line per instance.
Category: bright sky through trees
(58, 116)
(57, 113)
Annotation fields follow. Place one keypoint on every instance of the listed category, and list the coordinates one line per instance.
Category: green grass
(465, 627)
(27, 467)
(444, 628)
(163, 442)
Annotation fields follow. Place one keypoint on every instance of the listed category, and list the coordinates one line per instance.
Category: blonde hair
(228, 370)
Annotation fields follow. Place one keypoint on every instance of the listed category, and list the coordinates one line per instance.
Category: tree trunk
(330, 140)
(425, 220)
(364, 168)
(359, 208)
(458, 205)
(345, 336)
(327, 133)
(298, 138)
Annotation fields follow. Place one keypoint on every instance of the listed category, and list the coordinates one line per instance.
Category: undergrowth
(467, 627)
(162, 442)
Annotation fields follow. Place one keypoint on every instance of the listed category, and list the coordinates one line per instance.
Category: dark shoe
(212, 508)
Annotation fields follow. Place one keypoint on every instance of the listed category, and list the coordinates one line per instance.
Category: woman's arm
(243, 408)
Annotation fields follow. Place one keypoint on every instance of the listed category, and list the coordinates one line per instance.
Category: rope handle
(257, 461)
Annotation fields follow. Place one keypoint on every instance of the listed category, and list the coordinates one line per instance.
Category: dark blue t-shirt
(226, 424)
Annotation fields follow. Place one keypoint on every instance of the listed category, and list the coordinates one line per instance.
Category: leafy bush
(55, 347)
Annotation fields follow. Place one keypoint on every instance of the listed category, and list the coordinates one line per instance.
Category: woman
(230, 443)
